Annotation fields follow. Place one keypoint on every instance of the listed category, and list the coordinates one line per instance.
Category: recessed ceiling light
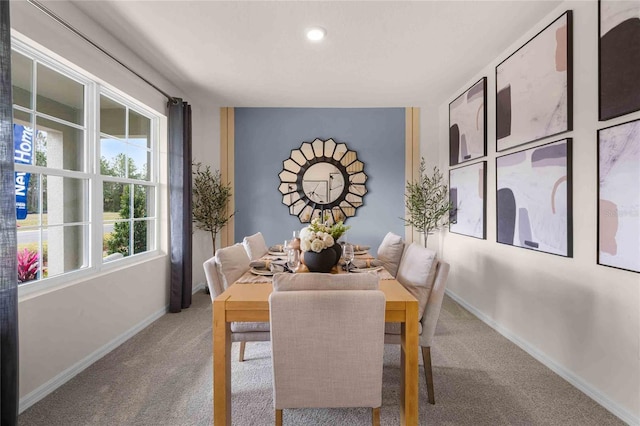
(316, 33)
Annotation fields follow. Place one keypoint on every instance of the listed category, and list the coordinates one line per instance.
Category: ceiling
(376, 53)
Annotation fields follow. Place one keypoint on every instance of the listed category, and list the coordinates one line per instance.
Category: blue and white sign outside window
(23, 154)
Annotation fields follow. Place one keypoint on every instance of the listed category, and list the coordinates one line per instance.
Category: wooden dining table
(250, 302)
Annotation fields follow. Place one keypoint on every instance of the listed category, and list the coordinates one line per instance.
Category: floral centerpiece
(319, 242)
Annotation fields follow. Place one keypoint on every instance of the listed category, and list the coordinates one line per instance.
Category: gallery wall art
(619, 196)
(467, 194)
(534, 87)
(619, 57)
(534, 198)
(468, 124)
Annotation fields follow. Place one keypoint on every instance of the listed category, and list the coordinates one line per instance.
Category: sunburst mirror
(323, 179)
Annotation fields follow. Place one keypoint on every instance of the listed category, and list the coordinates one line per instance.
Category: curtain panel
(180, 226)
(8, 261)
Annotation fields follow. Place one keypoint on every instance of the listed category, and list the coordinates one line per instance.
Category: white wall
(206, 149)
(581, 319)
(63, 330)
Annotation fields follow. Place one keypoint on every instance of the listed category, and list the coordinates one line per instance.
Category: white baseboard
(576, 381)
(66, 375)
(200, 286)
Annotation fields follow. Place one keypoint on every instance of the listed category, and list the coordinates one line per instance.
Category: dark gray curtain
(180, 226)
(8, 260)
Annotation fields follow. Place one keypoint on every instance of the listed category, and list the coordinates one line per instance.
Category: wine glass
(293, 260)
(348, 254)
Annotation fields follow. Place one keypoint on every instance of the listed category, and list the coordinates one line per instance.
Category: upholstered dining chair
(425, 277)
(222, 270)
(255, 246)
(327, 342)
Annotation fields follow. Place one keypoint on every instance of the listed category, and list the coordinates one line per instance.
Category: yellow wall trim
(227, 170)
(412, 157)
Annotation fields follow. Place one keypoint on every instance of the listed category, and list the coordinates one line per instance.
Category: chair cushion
(249, 327)
(316, 281)
(390, 252)
(231, 263)
(417, 272)
(255, 246)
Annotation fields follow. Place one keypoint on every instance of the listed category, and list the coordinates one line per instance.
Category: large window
(86, 180)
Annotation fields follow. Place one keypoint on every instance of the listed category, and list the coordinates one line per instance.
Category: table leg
(409, 367)
(221, 365)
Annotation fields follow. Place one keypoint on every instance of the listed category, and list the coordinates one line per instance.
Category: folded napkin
(366, 263)
(270, 265)
(260, 264)
(278, 248)
(278, 268)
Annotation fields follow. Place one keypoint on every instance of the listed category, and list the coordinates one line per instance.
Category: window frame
(93, 236)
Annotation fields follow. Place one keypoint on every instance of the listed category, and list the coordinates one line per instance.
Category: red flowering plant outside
(27, 265)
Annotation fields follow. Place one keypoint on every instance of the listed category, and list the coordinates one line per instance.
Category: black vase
(320, 262)
(338, 249)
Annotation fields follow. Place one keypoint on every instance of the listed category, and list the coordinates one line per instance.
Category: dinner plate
(360, 252)
(265, 272)
(277, 253)
(373, 268)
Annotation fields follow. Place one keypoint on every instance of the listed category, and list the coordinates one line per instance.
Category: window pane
(139, 129)
(59, 96)
(116, 239)
(29, 262)
(112, 117)
(32, 201)
(59, 146)
(21, 118)
(112, 198)
(64, 249)
(113, 157)
(143, 201)
(65, 200)
(116, 202)
(21, 79)
(138, 163)
(143, 230)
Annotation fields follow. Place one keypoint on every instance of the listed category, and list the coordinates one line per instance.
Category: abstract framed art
(468, 124)
(618, 57)
(534, 87)
(534, 198)
(467, 194)
(619, 196)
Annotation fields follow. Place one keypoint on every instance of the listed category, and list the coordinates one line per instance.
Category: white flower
(328, 240)
(305, 245)
(317, 245)
(304, 232)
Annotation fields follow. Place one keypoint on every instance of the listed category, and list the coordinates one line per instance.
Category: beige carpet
(162, 376)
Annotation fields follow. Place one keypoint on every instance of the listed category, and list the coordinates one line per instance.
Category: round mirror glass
(323, 183)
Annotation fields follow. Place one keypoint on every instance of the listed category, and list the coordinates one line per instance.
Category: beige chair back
(327, 345)
(434, 303)
(211, 273)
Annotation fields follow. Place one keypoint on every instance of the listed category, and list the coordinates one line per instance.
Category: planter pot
(320, 262)
(338, 249)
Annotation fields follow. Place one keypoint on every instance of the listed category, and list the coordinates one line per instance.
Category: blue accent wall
(264, 138)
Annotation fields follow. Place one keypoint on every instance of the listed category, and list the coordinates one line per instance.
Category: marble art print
(534, 87)
(468, 124)
(534, 198)
(619, 196)
(467, 189)
(619, 57)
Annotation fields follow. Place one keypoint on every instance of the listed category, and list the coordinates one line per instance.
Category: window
(86, 180)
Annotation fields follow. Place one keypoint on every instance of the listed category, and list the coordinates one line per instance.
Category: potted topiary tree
(210, 201)
(427, 202)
